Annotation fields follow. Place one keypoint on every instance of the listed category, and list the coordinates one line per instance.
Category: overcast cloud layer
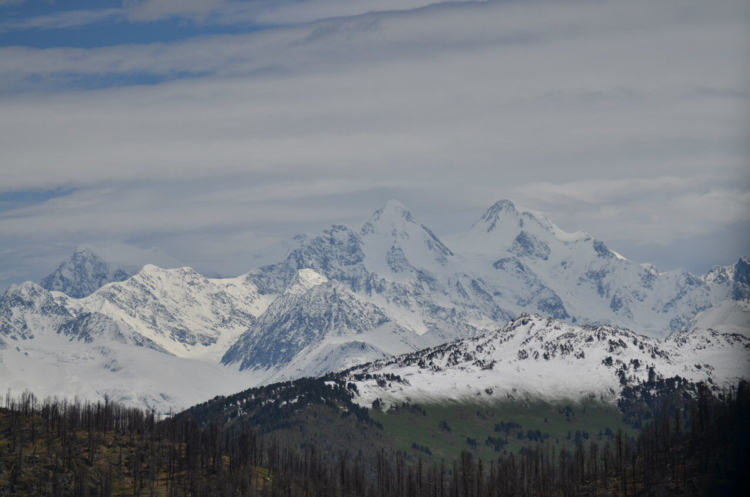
(629, 120)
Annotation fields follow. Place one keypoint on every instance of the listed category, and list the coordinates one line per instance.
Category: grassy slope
(332, 434)
(405, 426)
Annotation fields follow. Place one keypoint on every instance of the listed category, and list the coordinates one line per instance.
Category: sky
(210, 131)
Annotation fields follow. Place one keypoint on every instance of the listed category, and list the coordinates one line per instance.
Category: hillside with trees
(297, 439)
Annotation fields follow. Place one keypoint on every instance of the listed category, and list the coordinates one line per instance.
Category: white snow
(53, 365)
(305, 280)
(729, 316)
(349, 296)
(180, 310)
(510, 364)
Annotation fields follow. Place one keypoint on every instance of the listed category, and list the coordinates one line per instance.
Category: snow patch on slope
(537, 358)
(135, 376)
(729, 316)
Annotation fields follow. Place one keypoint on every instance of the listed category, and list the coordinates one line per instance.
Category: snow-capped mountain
(398, 264)
(176, 311)
(539, 358)
(310, 309)
(28, 310)
(152, 340)
(511, 261)
(733, 280)
(396, 244)
(348, 296)
(84, 273)
(55, 346)
(530, 264)
(314, 314)
(185, 313)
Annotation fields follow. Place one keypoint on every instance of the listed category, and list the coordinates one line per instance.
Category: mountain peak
(505, 219)
(83, 273)
(498, 210)
(394, 204)
(397, 238)
(85, 251)
(499, 206)
(393, 219)
(392, 212)
(151, 268)
(25, 288)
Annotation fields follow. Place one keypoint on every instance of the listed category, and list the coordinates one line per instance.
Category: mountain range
(166, 338)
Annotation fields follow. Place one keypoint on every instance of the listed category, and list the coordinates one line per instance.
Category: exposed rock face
(84, 273)
(741, 277)
(28, 310)
(310, 310)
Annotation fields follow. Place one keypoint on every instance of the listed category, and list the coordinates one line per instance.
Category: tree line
(58, 448)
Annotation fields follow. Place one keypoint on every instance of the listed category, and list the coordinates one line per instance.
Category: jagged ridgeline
(170, 338)
(307, 437)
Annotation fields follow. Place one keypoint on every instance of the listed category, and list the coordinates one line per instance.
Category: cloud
(62, 20)
(154, 10)
(483, 89)
(626, 120)
(282, 12)
(657, 211)
(217, 227)
(213, 12)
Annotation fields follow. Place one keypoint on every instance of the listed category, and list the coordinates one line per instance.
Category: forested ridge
(697, 446)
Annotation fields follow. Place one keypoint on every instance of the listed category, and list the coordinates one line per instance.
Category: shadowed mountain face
(84, 273)
(741, 279)
(310, 310)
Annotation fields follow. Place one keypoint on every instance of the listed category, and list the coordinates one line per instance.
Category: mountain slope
(28, 310)
(185, 313)
(399, 265)
(310, 309)
(63, 366)
(530, 262)
(320, 319)
(539, 358)
(728, 316)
